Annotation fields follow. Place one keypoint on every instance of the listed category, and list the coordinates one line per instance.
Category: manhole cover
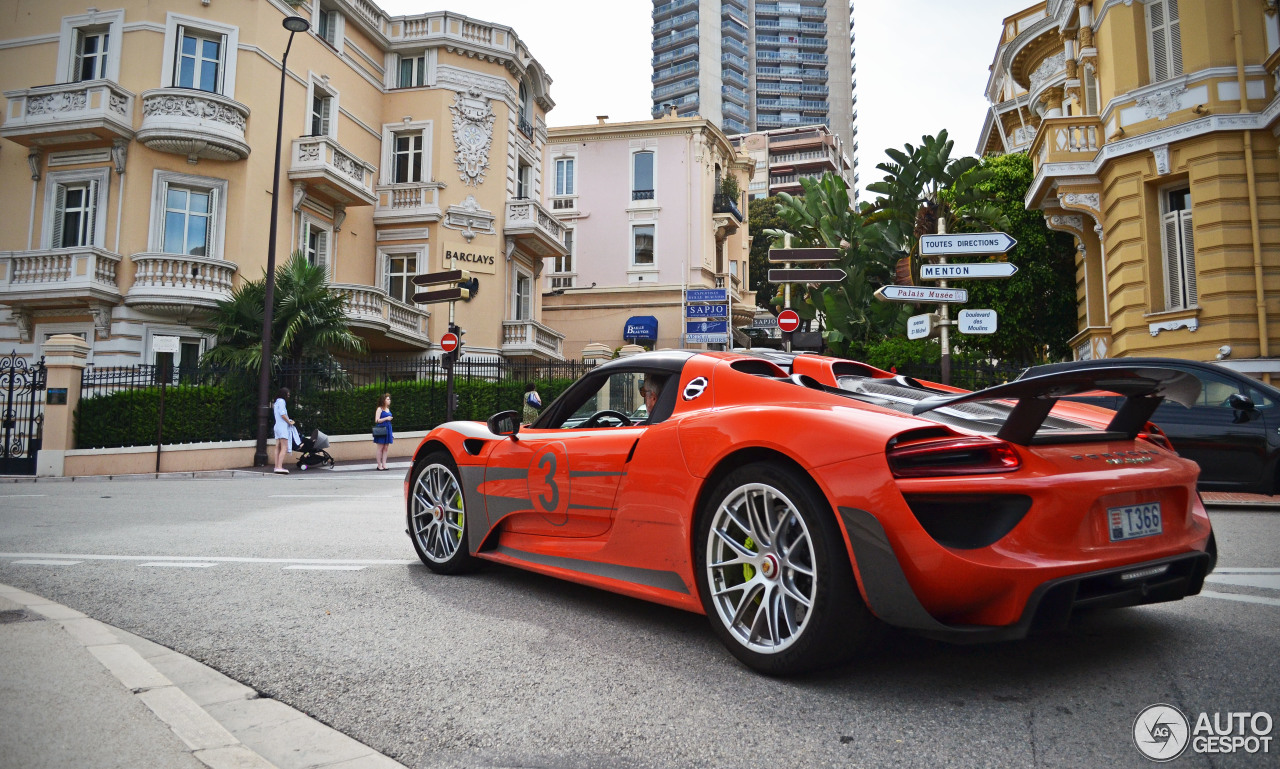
(14, 615)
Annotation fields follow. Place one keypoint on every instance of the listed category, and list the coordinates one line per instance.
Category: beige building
(1152, 128)
(647, 219)
(136, 158)
(784, 156)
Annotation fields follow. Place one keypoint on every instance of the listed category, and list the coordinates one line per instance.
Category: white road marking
(45, 562)
(1264, 581)
(332, 496)
(311, 567)
(219, 559)
(1241, 597)
(11, 496)
(181, 564)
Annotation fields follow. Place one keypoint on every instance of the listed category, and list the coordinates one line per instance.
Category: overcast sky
(922, 64)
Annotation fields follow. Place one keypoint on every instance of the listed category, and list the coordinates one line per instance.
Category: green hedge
(198, 413)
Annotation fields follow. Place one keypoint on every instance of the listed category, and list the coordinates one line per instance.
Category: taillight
(953, 456)
(1154, 434)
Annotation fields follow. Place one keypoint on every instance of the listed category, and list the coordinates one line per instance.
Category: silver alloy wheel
(760, 567)
(438, 513)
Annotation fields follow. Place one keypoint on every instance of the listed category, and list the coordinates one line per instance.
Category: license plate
(1134, 521)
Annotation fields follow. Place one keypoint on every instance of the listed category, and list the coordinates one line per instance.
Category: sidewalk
(397, 470)
(1229, 499)
(77, 692)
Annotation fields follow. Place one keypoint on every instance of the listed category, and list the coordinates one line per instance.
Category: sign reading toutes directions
(922, 294)
(706, 316)
(970, 244)
(967, 271)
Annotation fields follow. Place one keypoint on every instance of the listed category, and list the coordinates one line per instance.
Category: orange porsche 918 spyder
(799, 500)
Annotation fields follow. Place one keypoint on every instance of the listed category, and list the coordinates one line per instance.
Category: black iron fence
(970, 375)
(145, 405)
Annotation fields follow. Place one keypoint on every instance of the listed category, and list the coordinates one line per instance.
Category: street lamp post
(294, 24)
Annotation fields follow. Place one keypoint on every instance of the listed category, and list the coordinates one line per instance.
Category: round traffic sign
(788, 320)
(449, 342)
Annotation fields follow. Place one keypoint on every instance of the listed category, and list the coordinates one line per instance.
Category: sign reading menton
(471, 257)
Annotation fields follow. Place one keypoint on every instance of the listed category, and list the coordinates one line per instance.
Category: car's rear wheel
(774, 575)
(437, 515)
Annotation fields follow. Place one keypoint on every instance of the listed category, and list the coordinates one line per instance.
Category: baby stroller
(312, 451)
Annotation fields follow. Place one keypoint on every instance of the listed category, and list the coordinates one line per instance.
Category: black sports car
(1232, 432)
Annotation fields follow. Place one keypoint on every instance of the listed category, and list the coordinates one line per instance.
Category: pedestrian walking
(282, 428)
(382, 435)
(532, 403)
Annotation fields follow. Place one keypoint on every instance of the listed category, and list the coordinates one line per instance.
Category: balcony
(531, 339)
(676, 89)
(733, 77)
(675, 38)
(677, 22)
(735, 61)
(734, 111)
(732, 126)
(732, 29)
(534, 229)
(805, 58)
(371, 309)
(676, 55)
(793, 73)
(790, 40)
(724, 204)
(407, 202)
(86, 113)
(772, 9)
(662, 75)
(663, 11)
(770, 25)
(332, 172)
(765, 87)
(197, 124)
(734, 47)
(59, 277)
(1067, 140)
(174, 284)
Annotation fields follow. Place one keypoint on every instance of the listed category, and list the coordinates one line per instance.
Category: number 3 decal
(549, 483)
(548, 462)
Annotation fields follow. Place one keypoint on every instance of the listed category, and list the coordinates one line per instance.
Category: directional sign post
(444, 294)
(922, 326)
(802, 275)
(982, 243)
(977, 322)
(789, 255)
(922, 294)
(967, 271)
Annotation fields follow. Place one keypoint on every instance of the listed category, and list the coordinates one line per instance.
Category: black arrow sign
(826, 275)
(433, 278)
(444, 295)
(786, 255)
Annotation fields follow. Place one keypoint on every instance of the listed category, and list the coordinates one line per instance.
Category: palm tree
(308, 320)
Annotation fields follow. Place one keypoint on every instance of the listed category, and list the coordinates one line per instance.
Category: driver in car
(650, 389)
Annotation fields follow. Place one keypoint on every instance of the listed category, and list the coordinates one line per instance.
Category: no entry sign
(788, 320)
(449, 342)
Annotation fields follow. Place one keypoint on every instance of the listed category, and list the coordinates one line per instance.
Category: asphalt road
(307, 589)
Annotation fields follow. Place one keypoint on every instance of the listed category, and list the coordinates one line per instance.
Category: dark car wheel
(437, 515)
(774, 575)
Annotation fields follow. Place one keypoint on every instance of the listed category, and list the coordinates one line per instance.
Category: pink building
(649, 212)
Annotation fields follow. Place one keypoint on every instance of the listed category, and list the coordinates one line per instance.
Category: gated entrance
(22, 418)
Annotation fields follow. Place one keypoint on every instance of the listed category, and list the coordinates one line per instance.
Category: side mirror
(1240, 402)
(504, 423)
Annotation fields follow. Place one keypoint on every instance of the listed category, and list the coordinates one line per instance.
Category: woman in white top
(283, 422)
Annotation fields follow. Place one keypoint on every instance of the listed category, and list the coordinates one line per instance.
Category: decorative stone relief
(1158, 104)
(1024, 135)
(101, 322)
(1191, 324)
(1080, 199)
(1068, 222)
(1161, 154)
(119, 154)
(63, 101)
(339, 216)
(473, 120)
(1047, 69)
(116, 104)
(299, 195)
(469, 218)
(23, 320)
(33, 160)
(173, 105)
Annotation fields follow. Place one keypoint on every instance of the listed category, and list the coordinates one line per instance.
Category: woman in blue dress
(382, 416)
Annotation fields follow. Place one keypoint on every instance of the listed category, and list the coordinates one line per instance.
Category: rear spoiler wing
(1144, 388)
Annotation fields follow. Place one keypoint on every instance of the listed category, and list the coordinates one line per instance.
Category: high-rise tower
(751, 65)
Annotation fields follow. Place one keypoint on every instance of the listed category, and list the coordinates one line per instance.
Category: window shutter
(222, 63)
(210, 232)
(1172, 263)
(91, 214)
(1175, 38)
(326, 105)
(1158, 41)
(1188, 255)
(322, 251)
(177, 56)
(77, 57)
(59, 211)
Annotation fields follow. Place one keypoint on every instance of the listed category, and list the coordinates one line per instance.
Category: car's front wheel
(437, 515)
(774, 575)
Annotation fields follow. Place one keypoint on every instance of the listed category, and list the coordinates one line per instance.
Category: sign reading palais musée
(471, 257)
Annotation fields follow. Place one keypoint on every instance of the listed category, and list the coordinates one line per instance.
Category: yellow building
(1152, 128)
(137, 187)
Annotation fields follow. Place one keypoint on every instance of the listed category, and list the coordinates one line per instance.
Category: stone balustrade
(198, 124)
(98, 107)
(174, 284)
